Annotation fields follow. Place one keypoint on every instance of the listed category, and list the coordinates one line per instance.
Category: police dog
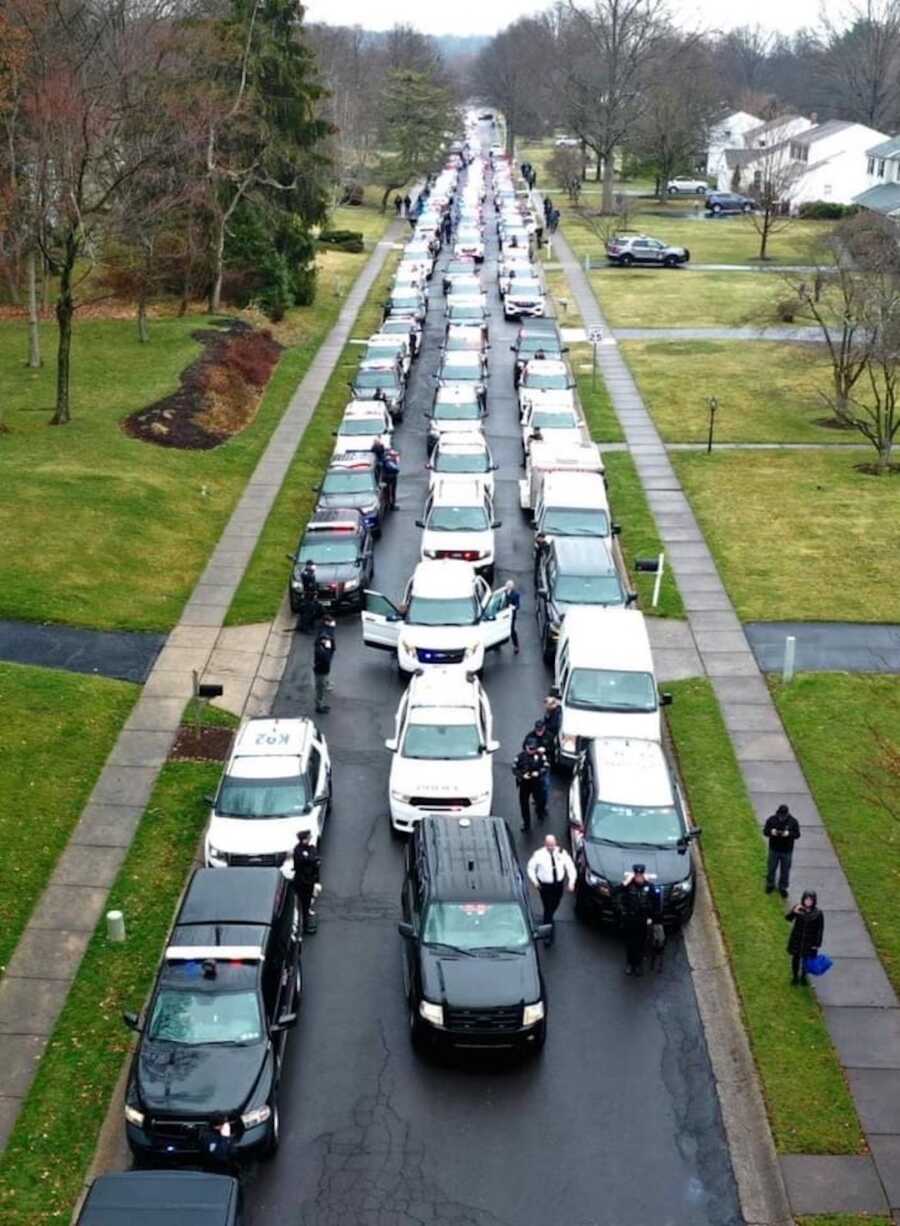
(657, 947)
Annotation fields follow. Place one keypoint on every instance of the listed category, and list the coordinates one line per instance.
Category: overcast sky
(488, 16)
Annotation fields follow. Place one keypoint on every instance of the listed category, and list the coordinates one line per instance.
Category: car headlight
(431, 1013)
(596, 882)
(568, 743)
(215, 853)
(400, 797)
(133, 1116)
(480, 798)
(680, 888)
(351, 585)
(430, 553)
(408, 647)
(533, 1013)
(473, 648)
(251, 1119)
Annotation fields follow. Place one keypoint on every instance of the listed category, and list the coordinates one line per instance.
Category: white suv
(442, 746)
(277, 782)
(448, 616)
(462, 457)
(459, 523)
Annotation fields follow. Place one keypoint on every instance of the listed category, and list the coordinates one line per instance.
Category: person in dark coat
(307, 865)
(390, 471)
(636, 906)
(446, 226)
(806, 934)
(553, 723)
(514, 601)
(322, 654)
(540, 737)
(378, 450)
(782, 830)
(309, 599)
(541, 547)
(529, 769)
(398, 204)
(407, 204)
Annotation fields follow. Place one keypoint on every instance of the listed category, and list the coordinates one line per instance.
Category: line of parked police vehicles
(212, 1038)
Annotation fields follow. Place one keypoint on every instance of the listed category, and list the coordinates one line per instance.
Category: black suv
(728, 202)
(382, 381)
(471, 969)
(625, 806)
(160, 1198)
(353, 482)
(576, 570)
(530, 342)
(213, 1037)
(343, 550)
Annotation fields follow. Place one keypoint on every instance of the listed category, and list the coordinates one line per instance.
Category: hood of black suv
(483, 980)
(173, 1079)
(664, 867)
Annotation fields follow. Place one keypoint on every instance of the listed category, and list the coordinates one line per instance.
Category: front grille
(428, 655)
(484, 1021)
(272, 859)
(436, 804)
(183, 1133)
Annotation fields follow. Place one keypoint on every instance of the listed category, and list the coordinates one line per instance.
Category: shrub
(826, 210)
(342, 240)
(252, 355)
(354, 193)
(787, 309)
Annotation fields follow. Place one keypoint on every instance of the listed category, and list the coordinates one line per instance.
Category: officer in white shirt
(550, 870)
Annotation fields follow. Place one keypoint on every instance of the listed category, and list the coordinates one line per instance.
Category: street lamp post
(712, 404)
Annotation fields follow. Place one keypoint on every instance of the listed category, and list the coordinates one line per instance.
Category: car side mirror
(565, 349)
(334, 433)
(615, 529)
(493, 468)
(665, 700)
(543, 932)
(209, 800)
(492, 746)
(498, 523)
(132, 1021)
(285, 1022)
(542, 591)
(391, 744)
(420, 523)
(406, 931)
(630, 599)
(290, 557)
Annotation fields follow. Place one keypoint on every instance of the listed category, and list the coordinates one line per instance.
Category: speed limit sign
(595, 335)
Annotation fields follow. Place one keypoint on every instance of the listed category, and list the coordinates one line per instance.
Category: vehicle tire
(626, 260)
(414, 1024)
(582, 911)
(690, 915)
(701, 191)
(717, 209)
(295, 601)
(670, 262)
(273, 1137)
(540, 1038)
(547, 649)
(747, 208)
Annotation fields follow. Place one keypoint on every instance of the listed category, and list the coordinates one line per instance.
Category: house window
(870, 166)
(827, 190)
(799, 152)
(881, 169)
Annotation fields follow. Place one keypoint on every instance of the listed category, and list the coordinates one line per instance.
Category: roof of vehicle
(349, 460)
(407, 291)
(463, 357)
(336, 519)
(550, 455)
(546, 366)
(464, 300)
(401, 323)
(463, 443)
(456, 393)
(446, 578)
(583, 555)
(619, 641)
(468, 330)
(264, 737)
(631, 771)
(442, 687)
(149, 1198)
(469, 859)
(231, 896)
(359, 410)
(571, 489)
(544, 327)
(459, 492)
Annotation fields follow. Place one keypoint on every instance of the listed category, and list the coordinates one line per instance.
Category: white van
(604, 673)
(573, 504)
(548, 457)
(448, 616)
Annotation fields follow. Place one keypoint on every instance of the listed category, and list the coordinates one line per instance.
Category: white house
(744, 161)
(882, 178)
(825, 161)
(728, 133)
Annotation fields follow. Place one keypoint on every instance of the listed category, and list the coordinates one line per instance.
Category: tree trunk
(143, 330)
(215, 290)
(65, 309)
(34, 336)
(883, 464)
(608, 174)
(600, 172)
(764, 236)
(584, 161)
(45, 287)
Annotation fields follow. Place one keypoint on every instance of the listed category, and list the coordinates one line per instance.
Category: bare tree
(567, 168)
(769, 176)
(509, 74)
(862, 62)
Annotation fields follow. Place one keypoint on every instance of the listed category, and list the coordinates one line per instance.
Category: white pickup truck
(544, 457)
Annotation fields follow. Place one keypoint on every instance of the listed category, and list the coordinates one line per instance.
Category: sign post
(595, 336)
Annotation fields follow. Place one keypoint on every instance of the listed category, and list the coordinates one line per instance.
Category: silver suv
(627, 249)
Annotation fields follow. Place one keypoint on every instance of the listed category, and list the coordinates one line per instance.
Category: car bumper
(174, 1151)
(523, 1038)
(405, 818)
(526, 310)
(600, 906)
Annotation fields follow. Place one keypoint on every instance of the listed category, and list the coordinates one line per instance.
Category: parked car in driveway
(728, 202)
(687, 187)
(628, 249)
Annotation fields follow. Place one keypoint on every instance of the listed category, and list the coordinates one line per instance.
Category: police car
(362, 423)
(277, 782)
(441, 747)
(459, 524)
(461, 457)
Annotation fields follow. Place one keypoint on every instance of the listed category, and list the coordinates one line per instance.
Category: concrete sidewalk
(858, 1002)
(798, 334)
(46, 960)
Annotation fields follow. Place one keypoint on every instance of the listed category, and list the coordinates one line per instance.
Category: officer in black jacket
(306, 877)
(636, 907)
(322, 653)
(309, 602)
(529, 769)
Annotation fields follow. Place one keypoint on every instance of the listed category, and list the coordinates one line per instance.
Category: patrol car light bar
(216, 953)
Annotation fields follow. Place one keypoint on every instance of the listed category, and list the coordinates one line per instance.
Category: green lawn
(53, 1142)
(598, 411)
(263, 585)
(768, 392)
(102, 530)
(58, 729)
(678, 298)
(722, 240)
(809, 1105)
(832, 719)
(799, 535)
(640, 538)
(843, 1219)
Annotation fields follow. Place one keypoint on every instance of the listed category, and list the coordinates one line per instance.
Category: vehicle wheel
(547, 648)
(670, 261)
(489, 575)
(717, 208)
(747, 208)
(701, 191)
(673, 191)
(273, 1137)
(582, 910)
(627, 260)
(414, 1024)
(295, 602)
(540, 1038)
(687, 919)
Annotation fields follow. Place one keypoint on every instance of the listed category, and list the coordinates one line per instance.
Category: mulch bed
(194, 744)
(219, 392)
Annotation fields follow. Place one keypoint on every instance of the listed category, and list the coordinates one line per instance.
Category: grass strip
(58, 729)
(595, 401)
(809, 1105)
(843, 1219)
(54, 1139)
(833, 720)
(263, 585)
(640, 536)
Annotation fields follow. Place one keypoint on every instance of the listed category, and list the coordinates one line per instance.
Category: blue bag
(817, 965)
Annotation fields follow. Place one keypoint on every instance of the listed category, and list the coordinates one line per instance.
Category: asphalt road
(617, 1122)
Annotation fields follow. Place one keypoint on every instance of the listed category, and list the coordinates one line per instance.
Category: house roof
(773, 125)
(821, 131)
(885, 198)
(745, 157)
(887, 149)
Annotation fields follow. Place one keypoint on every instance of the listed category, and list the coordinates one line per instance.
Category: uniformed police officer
(309, 597)
(636, 904)
(306, 878)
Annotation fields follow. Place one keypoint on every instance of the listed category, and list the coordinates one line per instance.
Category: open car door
(381, 622)
(496, 620)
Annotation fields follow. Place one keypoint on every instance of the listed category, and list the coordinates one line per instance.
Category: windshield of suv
(465, 312)
(361, 425)
(445, 742)
(575, 521)
(452, 411)
(375, 378)
(558, 382)
(381, 353)
(469, 340)
(524, 285)
(262, 797)
(630, 824)
(461, 462)
(458, 519)
(192, 1018)
(603, 689)
(548, 419)
(362, 482)
(476, 925)
(537, 344)
(426, 611)
(461, 372)
(406, 300)
(588, 589)
(328, 552)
